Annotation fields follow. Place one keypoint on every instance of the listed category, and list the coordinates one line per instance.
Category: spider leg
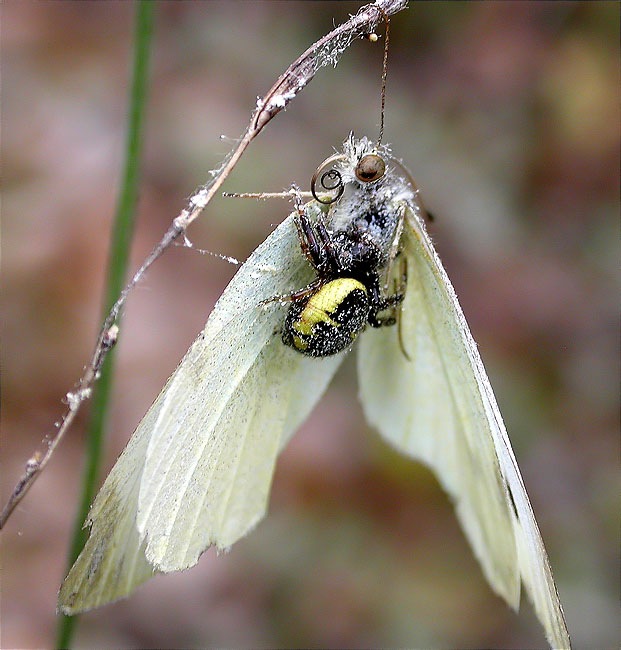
(317, 244)
(295, 295)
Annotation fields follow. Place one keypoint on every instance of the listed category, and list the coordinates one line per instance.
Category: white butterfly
(198, 469)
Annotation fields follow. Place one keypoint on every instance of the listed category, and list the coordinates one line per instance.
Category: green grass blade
(117, 269)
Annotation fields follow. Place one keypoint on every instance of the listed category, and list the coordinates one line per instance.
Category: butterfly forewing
(198, 469)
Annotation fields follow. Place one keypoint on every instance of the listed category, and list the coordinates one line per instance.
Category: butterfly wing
(198, 469)
(438, 406)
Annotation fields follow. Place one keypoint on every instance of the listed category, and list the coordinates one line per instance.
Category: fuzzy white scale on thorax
(371, 208)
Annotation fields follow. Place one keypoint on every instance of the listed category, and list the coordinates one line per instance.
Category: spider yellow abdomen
(329, 320)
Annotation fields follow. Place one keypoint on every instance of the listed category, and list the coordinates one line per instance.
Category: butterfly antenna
(384, 74)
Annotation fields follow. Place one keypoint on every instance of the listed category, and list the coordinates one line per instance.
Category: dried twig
(325, 51)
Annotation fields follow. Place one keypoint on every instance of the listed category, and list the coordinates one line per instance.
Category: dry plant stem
(325, 51)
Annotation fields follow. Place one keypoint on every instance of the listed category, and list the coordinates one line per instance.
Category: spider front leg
(395, 301)
(391, 302)
(317, 243)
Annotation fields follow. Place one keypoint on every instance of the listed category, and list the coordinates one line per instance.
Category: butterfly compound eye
(370, 168)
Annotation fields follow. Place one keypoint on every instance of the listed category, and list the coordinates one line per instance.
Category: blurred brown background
(507, 114)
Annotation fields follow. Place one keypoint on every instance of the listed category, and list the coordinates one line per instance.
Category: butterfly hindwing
(438, 407)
